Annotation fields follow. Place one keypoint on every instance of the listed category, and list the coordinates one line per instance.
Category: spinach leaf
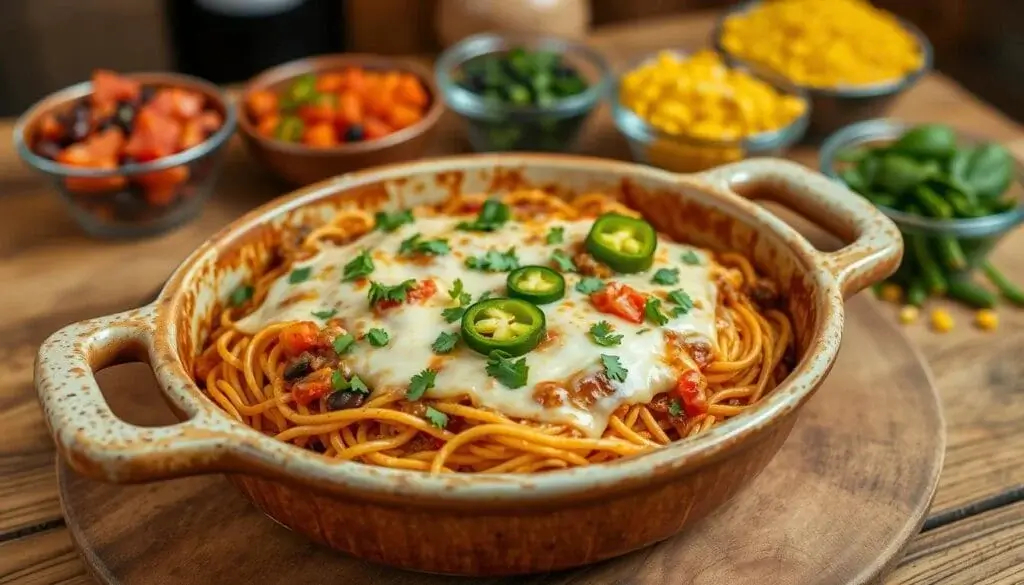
(898, 174)
(927, 141)
(986, 170)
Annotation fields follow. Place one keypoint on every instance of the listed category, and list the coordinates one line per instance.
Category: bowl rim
(82, 89)
(871, 90)
(890, 128)
(472, 105)
(625, 474)
(636, 128)
(330, 61)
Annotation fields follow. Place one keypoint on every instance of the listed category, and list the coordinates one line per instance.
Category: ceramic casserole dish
(490, 524)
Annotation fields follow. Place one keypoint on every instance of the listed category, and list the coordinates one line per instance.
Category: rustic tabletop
(53, 275)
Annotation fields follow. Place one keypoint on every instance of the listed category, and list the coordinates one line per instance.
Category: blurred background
(49, 44)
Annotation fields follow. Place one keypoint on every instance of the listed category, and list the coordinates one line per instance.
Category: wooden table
(53, 275)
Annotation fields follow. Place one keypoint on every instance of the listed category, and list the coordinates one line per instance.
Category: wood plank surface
(54, 275)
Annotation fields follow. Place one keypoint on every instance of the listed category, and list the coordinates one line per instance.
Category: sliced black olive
(345, 399)
(48, 148)
(354, 133)
(80, 123)
(124, 117)
(298, 369)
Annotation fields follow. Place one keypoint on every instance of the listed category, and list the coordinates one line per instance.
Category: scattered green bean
(1008, 289)
(963, 289)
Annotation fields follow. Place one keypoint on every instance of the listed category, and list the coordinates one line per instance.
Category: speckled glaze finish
(468, 524)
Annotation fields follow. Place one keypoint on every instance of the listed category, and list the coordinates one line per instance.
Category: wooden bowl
(301, 165)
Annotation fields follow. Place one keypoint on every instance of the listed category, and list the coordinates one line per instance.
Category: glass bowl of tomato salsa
(132, 155)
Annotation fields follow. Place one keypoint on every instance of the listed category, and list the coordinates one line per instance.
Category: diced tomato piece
(109, 88)
(178, 103)
(78, 155)
(375, 128)
(312, 387)
(261, 103)
(690, 389)
(320, 135)
(621, 300)
(422, 291)
(354, 79)
(350, 109)
(411, 92)
(299, 337)
(268, 126)
(50, 128)
(330, 82)
(210, 121)
(106, 144)
(192, 134)
(315, 113)
(403, 117)
(161, 195)
(171, 177)
(153, 136)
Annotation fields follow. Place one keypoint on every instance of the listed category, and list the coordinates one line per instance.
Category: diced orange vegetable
(320, 111)
(410, 92)
(105, 145)
(109, 88)
(192, 134)
(50, 128)
(210, 121)
(171, 177)
(320, 135)
(330, 82)
(86, 185)
(350, 109)
(179, 103)
(268, 125)
(375, 128)
(153, 136)
(299, 337)
(161, 195)
(354, 80)
(262, 103)
(403, 117)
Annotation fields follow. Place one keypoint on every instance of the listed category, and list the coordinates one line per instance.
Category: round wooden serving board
(849, 488)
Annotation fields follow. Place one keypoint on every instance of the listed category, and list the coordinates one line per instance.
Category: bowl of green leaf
(954, 196)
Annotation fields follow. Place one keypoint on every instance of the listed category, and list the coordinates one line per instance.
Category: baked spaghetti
(519, 333)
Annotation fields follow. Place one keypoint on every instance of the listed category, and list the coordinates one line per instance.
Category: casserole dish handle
(90, 437)
(874, 246)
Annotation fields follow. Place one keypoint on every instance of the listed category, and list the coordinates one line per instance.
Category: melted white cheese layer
(414, 327)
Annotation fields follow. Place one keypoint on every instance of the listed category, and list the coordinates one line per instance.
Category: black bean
(345, 399)
(147, 93)
(48, 148)
(297, 369)
(124, 116)
(354, 133)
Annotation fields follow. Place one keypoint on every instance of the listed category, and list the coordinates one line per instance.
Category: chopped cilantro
(602, 335)
(419, 384)
(563, 261)
(390, 222)
(682, 301)
(493, 214)
(652, 310)
(445, 342)
(378, 337)
(674, 408)
(343, 343)
(325, 314)
(589, 285)
(689, 257)
(382, 292)
(504, 369)
(415, 244)
(494, 261)
(300, 275)
(484, 296)
(338, 381)
(457, 293)
(613, 368)
(356, 385)
(666, 276)
(556, 235)
(436, 417)
(359, 266)
(453, 314)
(240, 295)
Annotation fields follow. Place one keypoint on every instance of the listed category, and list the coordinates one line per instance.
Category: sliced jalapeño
(511, 325)
(539, 285)
(626, 244)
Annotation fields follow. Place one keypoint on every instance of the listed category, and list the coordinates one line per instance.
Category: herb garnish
(674, 408)
(300, 275)
(589, 285)
(602, 334)
(563, 261)
(381, 292)
(419, 384)
(445, 342)
(666, 276)
(338, 381)
(436, 417)
(456, 292)
(390, 222)
(509, 372)
(359, 266)
(652, 310)
(690, 257)
(682, 301)
(556, 235)
(378, 337)
(343, 343)
(613, 368)
(357, 385)
(415, 244)
(494, 261)
(325, 315)
(240, 295)
(493, 214)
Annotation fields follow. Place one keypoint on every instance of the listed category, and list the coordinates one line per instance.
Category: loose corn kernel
(942, 321)
(986, 319)
(892, 293)
(908, 314)
(824, 44)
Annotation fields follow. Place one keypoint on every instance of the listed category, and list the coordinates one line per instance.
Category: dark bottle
(227, 41)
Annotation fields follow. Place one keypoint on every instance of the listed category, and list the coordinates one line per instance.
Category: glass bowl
(836, 107)
(975, 236)
(136, 199)
(687, 154)
(493, 126)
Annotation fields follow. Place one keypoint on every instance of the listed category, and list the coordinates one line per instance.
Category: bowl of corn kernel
(688, 113)
(852, 59)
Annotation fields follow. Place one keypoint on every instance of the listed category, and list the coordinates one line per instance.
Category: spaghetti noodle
(271, 364)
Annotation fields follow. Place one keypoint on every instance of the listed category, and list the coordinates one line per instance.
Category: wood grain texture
(835, 506)
(48, 558)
